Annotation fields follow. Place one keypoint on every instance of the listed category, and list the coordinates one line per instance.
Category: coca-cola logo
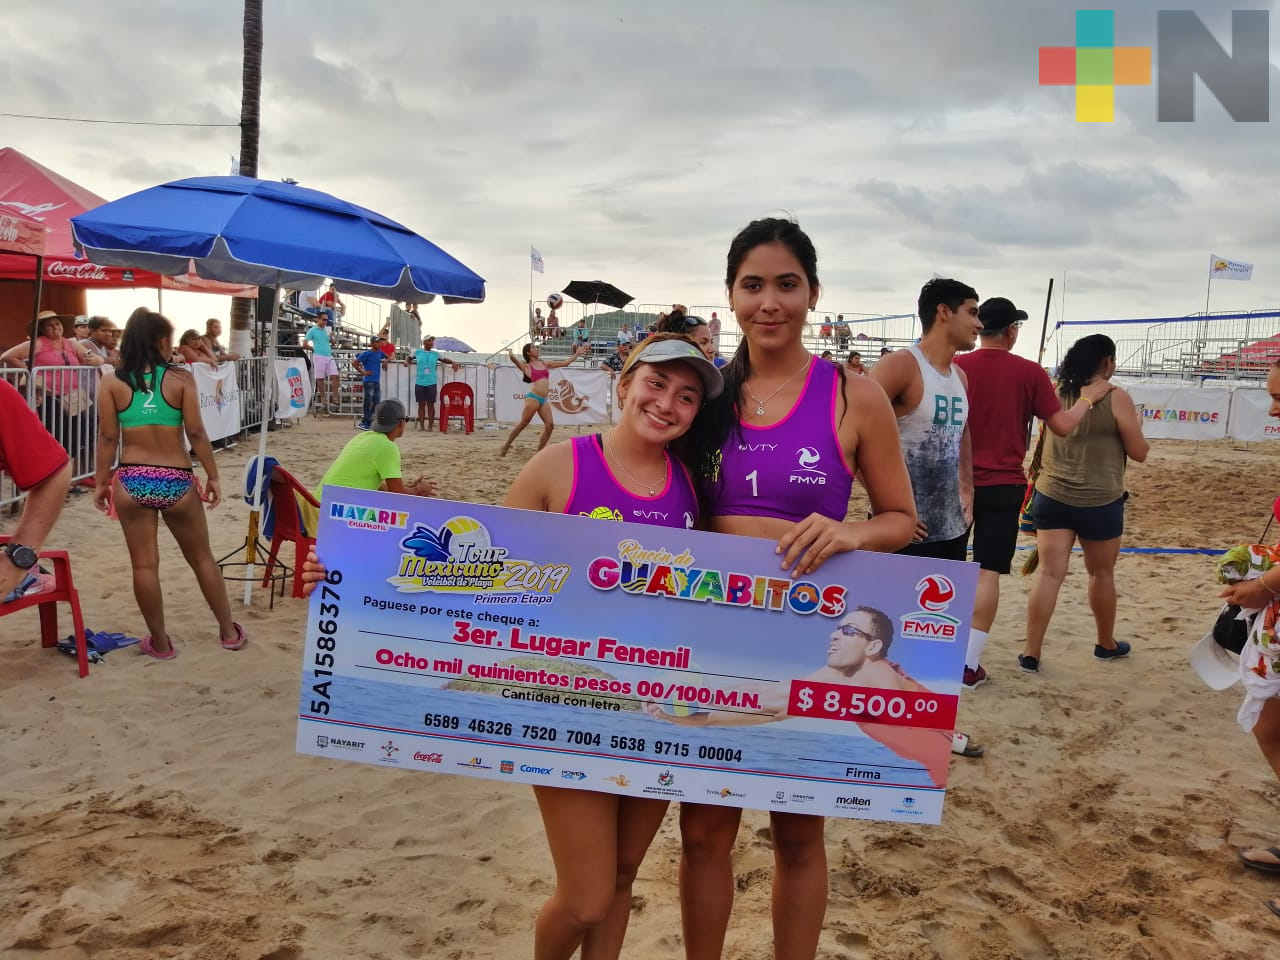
(75, 271)
(8, 229)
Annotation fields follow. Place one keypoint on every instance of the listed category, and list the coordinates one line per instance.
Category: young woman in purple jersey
(598, 840)
(784, 413)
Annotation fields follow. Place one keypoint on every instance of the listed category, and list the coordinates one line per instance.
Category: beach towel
(267, 523)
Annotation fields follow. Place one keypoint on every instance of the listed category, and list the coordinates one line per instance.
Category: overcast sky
(629, 141)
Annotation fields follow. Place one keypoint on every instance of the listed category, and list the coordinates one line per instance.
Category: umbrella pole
(268, 408)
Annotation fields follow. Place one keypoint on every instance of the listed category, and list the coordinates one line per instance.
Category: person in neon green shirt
(371, 460)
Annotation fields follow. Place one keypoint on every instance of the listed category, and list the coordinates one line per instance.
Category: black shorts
(424, 394)
(1088, 523)
(953, 549)
(995, 525)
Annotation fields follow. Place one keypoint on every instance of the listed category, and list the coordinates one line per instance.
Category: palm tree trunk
(250, 128)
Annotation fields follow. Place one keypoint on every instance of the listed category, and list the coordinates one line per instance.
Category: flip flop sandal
(238, 643)
(145, 645)
(1261, 865)
(962, 746)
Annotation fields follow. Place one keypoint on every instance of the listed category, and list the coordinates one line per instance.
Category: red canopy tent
(36, 192)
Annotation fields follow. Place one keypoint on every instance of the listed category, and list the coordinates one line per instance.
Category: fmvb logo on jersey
(807, 460)
(1095, 66)
(934, 594)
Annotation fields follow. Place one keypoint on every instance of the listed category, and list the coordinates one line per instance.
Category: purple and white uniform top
(789, 469)
(597, 492)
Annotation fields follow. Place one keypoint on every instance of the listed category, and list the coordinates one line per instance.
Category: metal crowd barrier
(66, 403)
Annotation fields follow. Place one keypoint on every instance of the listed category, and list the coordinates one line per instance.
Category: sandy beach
(159, 810)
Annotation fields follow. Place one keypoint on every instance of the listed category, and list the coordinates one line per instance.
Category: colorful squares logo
(1095, 28)
(1095, 66)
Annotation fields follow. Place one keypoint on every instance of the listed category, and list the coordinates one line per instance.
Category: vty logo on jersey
(934, 594)
(806, 470)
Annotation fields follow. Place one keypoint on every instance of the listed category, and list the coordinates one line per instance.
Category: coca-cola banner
(219, 398)
(293, 387)
(76, 270)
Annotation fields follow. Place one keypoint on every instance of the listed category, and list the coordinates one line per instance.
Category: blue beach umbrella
(251, 231)
(245, 230)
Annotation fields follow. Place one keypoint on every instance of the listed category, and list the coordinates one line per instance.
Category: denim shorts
(1088, 523)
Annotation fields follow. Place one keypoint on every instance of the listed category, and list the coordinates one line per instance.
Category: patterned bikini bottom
(158, 488)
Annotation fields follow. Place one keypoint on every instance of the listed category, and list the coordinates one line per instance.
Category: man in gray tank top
(929, 396)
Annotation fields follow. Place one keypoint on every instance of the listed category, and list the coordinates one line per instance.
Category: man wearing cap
(100, 341)
(371, 460)
(1005, 392)
(425, 383)
(369, 366)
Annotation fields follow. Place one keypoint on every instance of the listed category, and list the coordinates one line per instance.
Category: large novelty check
(642, 660)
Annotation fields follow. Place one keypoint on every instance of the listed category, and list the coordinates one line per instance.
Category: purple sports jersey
(597, 493)
(790, 469)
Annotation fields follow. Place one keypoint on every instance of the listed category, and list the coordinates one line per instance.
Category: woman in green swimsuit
(147, 406)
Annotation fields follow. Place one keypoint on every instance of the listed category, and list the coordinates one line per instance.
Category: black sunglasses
(849, 630)
(694, 322)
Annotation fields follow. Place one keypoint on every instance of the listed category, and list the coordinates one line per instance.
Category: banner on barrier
(577, 396)
(1182, 413)
(1250, 417)
(219, 393)
(293, 388)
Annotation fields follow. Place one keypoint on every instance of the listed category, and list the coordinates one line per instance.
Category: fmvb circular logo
(935, 593)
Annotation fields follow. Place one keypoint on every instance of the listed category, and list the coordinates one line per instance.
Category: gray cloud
(631, 141)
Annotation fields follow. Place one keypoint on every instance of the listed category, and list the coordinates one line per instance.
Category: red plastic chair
(457, 400)
(64, 591)
(288, 523)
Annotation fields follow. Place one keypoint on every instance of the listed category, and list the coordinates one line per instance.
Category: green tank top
(149, 408)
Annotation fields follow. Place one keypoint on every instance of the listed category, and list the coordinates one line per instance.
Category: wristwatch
(22, 557)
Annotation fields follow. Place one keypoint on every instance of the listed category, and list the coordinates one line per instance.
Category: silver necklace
(651, 487)
(760, 404)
